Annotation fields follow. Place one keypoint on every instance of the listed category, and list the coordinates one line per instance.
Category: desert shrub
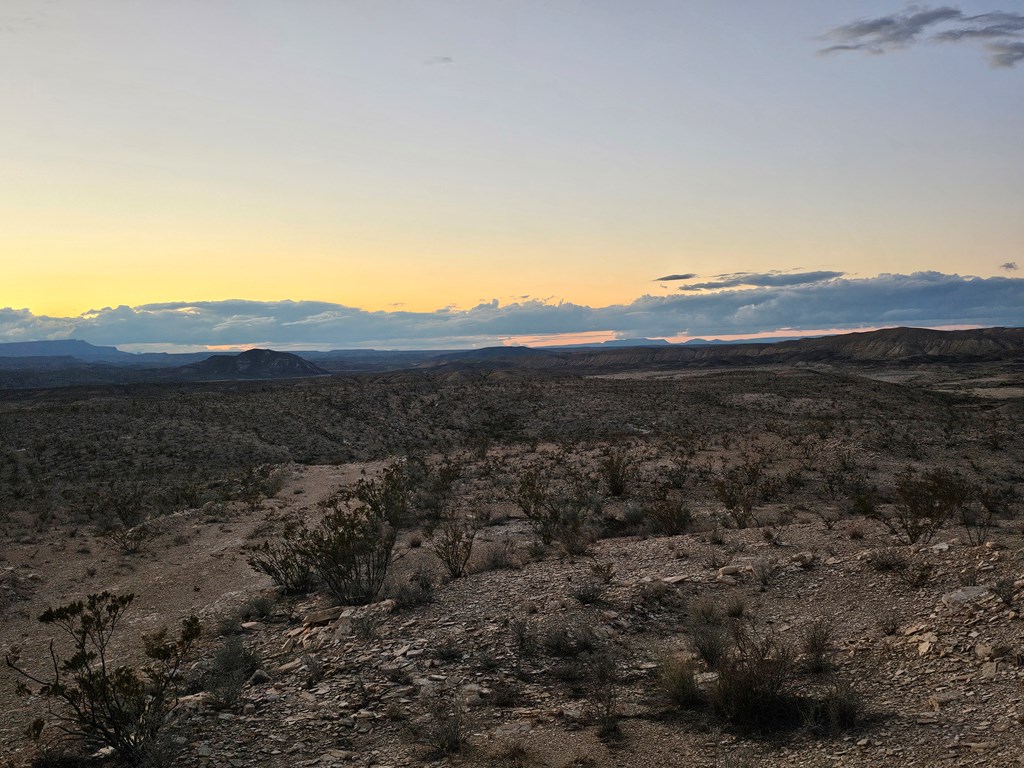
(817, 647)
(604, 696)
(387, 497)
(350, 550)
(525, 636)
(443, 726)
(840, 709)
(678, 682)
(594, 586)
(504, 694)
(764, 572)
(741, 488)
(705, 610)
(447, 649)
(453, 544)
(917, 574)
(828, 515)
(365, 626)
(979, 514)
(590, 592)
(258, 607)
(286, 562)
(556, 513)
(500, 556)
(1005, 590)
(711, 641)
(256, 483)
(617, 471)
(564, 641)
(118, 504)
(436, 485)
(130, 541)
(735, 606)
(231, 666)
(120, 707)
(751, 687)
(923, 504)
(418, 590)
(888, 560)
(669, 518)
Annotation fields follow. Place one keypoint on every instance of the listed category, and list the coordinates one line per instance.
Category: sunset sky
(438, 173)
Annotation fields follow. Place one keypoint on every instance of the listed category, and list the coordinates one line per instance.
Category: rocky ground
(937, 665)
(542, 657)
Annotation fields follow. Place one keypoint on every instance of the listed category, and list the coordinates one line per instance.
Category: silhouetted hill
(893, 345)
(253, 364)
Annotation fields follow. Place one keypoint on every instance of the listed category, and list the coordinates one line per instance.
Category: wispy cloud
(999, 32)
(1009, 266)
(667, 278)
(922, 299)
(763, 280)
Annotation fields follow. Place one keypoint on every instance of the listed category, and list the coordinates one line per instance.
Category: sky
(405, 174)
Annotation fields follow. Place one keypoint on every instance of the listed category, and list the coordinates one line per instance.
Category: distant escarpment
(891, 345)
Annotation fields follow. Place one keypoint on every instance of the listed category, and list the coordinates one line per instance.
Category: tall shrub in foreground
(104, 704)
(350, 550)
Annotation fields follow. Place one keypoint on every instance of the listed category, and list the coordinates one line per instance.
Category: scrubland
(770, 566)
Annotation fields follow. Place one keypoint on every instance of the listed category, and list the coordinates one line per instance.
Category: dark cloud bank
(999, 32)
(920, 299)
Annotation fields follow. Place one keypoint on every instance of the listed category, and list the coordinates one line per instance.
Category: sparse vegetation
(487, 472)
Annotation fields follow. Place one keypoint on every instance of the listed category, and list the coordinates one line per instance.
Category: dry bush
(286, 562)
(677, 679)
(924, 504)
(350, 550)
(817, 647)
(669, 518)
(1005, 590)
(229, 669)
(443, 726)
(416, 591)
(453, 544)
(617, 471)
(751, 690)
(840, 709)
(120, 707)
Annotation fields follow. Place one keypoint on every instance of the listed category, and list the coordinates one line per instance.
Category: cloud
(686, 276)
(1009, 266)
(1001, 33)
(763, 280)
(435, 60)
(921, 299)
(886, 33)
(1006, 54)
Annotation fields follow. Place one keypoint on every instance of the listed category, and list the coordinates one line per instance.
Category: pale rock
(984, 651)
(963, 596)
(803, 559)
(323, 616)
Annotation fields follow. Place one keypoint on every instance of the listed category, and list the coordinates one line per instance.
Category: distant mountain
(894, 345)
(721, 342)
(252, 364)
(610, 343)
(82, 350)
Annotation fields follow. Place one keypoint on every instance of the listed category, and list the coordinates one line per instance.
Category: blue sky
(402, 162)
